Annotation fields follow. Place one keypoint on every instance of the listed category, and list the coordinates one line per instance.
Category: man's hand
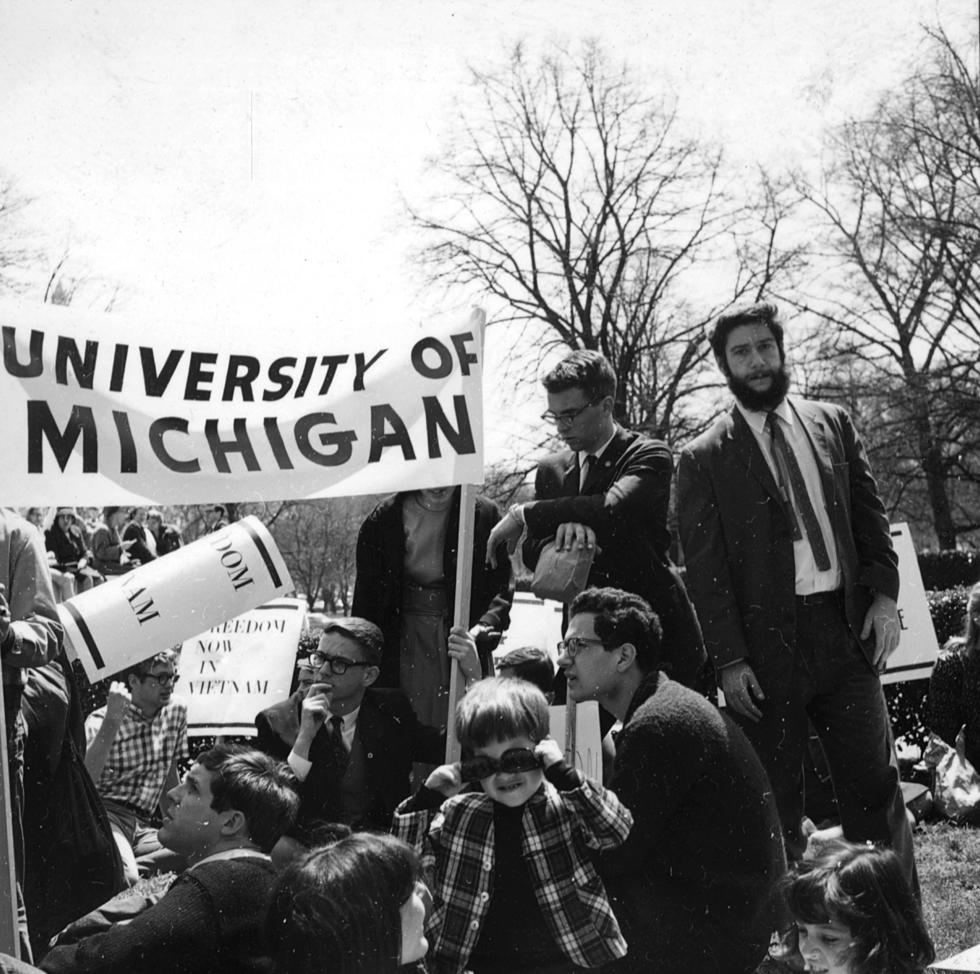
(446, 779)
(573, 534)
(462, 648)
(549, 752)
(507, 530)
(117, 702)
(316, 708)
(882, 617)
(741, 689)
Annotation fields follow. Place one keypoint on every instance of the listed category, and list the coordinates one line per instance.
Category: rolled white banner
(159, 605)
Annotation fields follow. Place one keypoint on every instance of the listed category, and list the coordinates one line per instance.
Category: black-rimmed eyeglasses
(162, 679)
(339, 665)
(568, 416)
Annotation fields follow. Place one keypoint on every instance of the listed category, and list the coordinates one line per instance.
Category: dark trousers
(829, 682)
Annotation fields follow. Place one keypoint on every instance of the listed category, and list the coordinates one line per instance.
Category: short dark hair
(760, 313)
(622, 617)
(531, 664)
(144, 667)
(107, 512)
(338, 907)
(496, 708)
(366, 634)
(864, 888)
(583, 369)
(264, 790)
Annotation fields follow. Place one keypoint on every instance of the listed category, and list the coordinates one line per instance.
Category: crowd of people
(341, 839)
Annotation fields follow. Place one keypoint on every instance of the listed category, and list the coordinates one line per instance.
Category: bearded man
(792, 571)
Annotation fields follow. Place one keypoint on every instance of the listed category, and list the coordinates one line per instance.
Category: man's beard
(761, 401)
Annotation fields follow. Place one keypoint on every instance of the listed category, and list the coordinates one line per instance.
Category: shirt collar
(241, 853)
(349, 720)
(756, 418)
(582, 454)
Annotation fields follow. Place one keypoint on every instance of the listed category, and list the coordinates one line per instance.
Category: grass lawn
(948, 858)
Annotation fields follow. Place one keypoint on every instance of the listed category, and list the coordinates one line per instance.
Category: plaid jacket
(560, 830)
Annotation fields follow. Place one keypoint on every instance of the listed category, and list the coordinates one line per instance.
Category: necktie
(337, 745)
(790, 473)
(587, 466)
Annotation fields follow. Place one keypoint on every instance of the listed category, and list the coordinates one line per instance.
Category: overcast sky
(248, 158)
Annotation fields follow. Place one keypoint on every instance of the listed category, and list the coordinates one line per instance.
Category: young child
(855, 913)
(509, 857)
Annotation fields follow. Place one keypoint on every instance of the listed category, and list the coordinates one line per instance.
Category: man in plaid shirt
(510, 863)
(134, 745)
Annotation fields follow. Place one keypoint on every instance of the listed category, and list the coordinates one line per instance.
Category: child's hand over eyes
(445, 779)
(549, 752)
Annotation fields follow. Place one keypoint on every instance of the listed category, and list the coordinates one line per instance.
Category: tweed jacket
(561, 830)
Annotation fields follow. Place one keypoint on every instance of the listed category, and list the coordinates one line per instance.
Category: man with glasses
(134, 745)
(356, 743)
(609, 489)
(691, 885)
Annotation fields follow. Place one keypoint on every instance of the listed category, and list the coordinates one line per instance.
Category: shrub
(949, 569)
(948, 609)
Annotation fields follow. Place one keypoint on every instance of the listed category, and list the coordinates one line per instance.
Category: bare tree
(899, 201)
(574, 198)
(17, 252)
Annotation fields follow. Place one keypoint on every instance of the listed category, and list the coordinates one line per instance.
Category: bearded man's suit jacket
(737, 536)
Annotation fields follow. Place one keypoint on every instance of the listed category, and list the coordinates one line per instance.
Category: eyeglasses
(339, 665)
(510, 762)
(573, 646)
(162, 679)
(569, 416)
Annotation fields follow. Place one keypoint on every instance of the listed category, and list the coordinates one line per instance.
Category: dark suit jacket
(625, 501)
(392, 738)
(134, 531)
(737, 538)
(380, 562)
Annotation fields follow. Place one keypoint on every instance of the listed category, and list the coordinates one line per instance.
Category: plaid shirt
(559, 831)
(141, 755)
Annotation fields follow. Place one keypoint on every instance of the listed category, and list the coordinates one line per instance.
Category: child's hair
(531, 664)
(498, 708)
(338, 907)
(865, 889)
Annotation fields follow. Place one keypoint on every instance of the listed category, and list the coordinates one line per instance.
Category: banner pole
(9, 934)
(461, 609)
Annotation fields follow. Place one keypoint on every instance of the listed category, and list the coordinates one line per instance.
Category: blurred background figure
(68, 555)
(406, 584)
(110, 553)
(166, 536)
(144, 545)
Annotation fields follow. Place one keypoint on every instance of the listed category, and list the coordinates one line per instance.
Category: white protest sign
(918, 649)
(239, 667)
(166, 601)
(588, 738)
(109, 409)
(533, 622)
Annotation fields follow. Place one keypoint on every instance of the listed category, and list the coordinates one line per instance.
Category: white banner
(918, 650)
(239, 667)
(160, 604)
(104, 409)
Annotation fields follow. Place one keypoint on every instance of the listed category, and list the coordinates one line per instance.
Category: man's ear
(371, 673)
(235, 823)
(625, 656)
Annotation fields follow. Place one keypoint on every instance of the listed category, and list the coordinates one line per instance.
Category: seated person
(356, 743)
(510, 859)
(134, 744)
(68, 554)
(278, 725)
(144, 542)
(225, 817)
(531, 664)
(167, 536)
(954, 687)
(110, 553)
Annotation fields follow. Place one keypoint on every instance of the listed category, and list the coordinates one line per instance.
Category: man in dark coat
(356, 744)
(792, 569)
(691, 885)
(610, 489)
